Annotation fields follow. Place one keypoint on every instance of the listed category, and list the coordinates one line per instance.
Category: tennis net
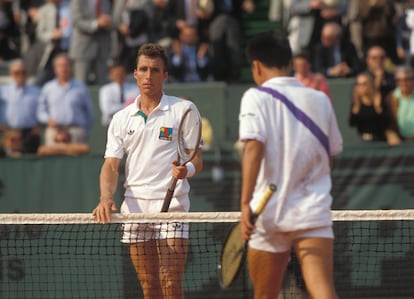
(71, 256)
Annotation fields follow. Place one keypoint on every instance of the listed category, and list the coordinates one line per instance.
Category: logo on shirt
(130, 132)
(165, 133)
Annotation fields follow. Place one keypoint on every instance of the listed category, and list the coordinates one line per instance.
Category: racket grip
(168, 196)
(271, 188)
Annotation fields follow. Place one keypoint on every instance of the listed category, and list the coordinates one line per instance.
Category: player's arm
(108, 182)
(251, 160)
(181, 172)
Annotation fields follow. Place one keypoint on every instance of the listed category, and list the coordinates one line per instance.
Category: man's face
(18, 73)
(301, 66)
(63, 69)
(375, 59)
(150, 75)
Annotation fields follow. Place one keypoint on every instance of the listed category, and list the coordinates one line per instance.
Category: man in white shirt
(117, 94)
(290, 134)
(158, 252)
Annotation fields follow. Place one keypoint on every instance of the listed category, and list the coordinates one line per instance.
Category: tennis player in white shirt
(290, 134)
(146, 132)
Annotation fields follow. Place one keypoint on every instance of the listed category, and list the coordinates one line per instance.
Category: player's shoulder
(178, 103)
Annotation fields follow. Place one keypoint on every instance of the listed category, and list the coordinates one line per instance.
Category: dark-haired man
(290, 134)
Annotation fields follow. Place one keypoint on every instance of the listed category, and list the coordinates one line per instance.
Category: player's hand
(245, 224)
(102, 212)
(179, 172)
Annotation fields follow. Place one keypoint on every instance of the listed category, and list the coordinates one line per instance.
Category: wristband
(190, 169)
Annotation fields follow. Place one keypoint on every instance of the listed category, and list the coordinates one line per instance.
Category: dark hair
(153, 51)
(271, 48)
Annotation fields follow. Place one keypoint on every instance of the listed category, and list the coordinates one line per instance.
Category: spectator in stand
(225, 36)
(354, 26)
(63, 146)
(335, 56)
(12, 143)
(375, 65)
(303, 19)
(65, 103)
(18, 104)
(405, 35)
(54, 28)
(159, 24)
(369, 113)
(132, 19)
(183, 13)
(90, 45)
(303, 72)
(26, 15)
(378, 19)
(189, 57)
(401, 103)
(9, 32)
(116, 94)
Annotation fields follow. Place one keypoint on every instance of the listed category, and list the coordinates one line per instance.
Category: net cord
(87, 218)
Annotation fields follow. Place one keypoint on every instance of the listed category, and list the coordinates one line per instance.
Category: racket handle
(168, 196)
(271, 188)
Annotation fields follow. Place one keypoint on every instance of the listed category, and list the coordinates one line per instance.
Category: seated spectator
(303, 72)
(335, 56)
(369, 114)
(375, 65)
(115, 95)
(65, 102)
(12, 143)
(63, 146)
(189, 58)
(401, 102)
(18, 104)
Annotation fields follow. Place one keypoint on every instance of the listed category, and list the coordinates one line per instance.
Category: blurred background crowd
(51, 51)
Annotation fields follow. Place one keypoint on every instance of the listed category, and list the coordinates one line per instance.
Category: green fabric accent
(143, 115)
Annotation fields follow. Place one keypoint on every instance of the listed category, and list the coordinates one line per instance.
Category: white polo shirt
(294, 159)
(150, 146)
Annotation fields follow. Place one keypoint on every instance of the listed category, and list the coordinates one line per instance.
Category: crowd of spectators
(369, 42)
(66, 45)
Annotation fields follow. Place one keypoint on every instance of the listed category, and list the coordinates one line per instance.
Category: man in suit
(334, 56)
(189, 57)
(90, 47)
(54, 28)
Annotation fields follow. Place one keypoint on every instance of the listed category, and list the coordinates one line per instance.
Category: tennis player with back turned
(290, 134)
(146, 131)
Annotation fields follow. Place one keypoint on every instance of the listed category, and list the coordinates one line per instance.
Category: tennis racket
(189, 137)
(234, 249)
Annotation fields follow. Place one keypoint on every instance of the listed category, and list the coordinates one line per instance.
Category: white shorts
(140, 232)
(283, 241)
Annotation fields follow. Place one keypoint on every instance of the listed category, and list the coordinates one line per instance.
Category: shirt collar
(282, 81)
(164, 105)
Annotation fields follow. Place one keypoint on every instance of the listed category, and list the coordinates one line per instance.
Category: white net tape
(87, 218)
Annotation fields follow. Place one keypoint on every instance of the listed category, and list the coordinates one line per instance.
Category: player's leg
(172, 257)
(315, 256)
(144, 256)
(266, 271)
